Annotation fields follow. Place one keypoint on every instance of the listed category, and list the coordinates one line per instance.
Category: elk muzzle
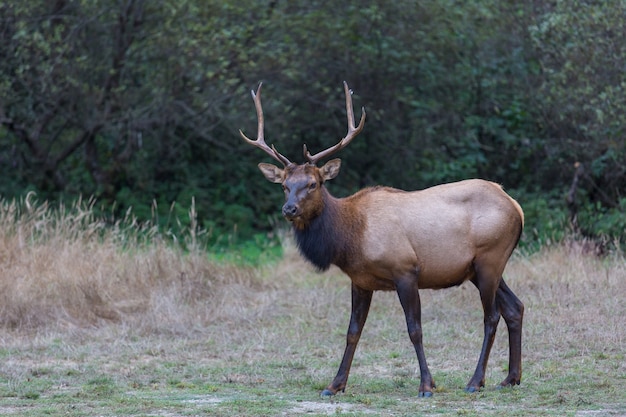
(290, 210)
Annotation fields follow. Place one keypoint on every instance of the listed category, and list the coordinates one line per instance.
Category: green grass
(259, 250)
(109, 385)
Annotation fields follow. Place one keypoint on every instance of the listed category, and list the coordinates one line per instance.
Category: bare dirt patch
(326, 408)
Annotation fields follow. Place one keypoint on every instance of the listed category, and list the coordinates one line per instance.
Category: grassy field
(98, 321)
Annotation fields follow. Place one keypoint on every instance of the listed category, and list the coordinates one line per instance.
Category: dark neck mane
(324, 240)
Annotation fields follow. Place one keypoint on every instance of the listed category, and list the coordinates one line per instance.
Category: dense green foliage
(138, 103)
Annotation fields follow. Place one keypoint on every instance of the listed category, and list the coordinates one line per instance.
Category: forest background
(137, 104)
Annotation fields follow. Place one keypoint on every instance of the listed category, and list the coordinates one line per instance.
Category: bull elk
(393, 240)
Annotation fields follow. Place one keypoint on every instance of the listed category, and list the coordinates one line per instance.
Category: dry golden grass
(65, 267)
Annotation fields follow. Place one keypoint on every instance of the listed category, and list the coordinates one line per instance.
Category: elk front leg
(361, 301)
(408, 293)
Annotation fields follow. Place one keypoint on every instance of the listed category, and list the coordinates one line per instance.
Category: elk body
(388, 239)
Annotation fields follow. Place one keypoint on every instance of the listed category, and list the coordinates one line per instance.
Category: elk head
(303, 183)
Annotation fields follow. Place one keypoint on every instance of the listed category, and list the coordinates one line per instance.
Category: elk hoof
(327, 393)
(472, 390)
(426, 394)
(509, 382)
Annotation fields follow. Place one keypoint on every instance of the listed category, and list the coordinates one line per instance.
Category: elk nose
(290, 210)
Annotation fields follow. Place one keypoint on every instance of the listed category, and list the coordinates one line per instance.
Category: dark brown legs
(512, 310)
(502, 302)
(408, 294)
(361, 300)
(498, 301)
(491, 318)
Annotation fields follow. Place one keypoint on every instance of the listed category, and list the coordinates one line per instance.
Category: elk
(394, 240)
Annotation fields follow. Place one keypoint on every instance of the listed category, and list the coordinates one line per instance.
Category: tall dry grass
(64, 266)
(575, 300)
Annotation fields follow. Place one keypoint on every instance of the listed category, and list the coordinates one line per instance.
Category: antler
(352, 131)
(260, 141)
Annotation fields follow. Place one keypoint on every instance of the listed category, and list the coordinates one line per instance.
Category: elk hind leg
(408, 293)
(512, 310)
(487, 281)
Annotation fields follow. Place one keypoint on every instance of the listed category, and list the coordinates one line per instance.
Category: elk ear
(330, 169)
(272, 172)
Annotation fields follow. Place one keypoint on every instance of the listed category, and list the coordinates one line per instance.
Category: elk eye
(312, 186)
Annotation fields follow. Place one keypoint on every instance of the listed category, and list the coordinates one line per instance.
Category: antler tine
(260, 140)
(352, 130)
